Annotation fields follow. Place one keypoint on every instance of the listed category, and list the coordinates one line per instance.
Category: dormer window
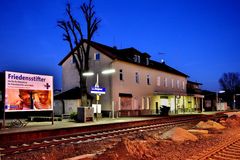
(74, 60)
(137, 58)
(147, 61)
(97, 56)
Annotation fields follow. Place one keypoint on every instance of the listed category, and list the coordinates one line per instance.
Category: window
(148, 80)
(137, 58)
(121, 75)
(183, 85)
(137, 77)
(178, 84)
(165, 82)
(172, 83)
(147, 61)
(97, 56)
(158, 81)
(74, 60)
(148, 102)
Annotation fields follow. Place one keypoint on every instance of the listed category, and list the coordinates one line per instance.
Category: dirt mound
(209, 125)
(178, 134)
(138, 148)
(232, 113)
(233, 121)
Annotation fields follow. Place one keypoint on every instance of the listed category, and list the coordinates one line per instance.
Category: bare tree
(73, 34)
(230, 82)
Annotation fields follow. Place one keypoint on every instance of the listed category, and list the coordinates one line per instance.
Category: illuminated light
(88, 74)
(221, 92)
(108, 71)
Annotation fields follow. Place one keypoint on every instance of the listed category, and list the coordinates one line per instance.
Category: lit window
(148, 102)
(97, 56)
(148, 80)
(121, 75)
(165, 82)
(137, 77)
(158, 81)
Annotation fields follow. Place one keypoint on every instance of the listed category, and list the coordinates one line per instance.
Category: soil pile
(210, 125)
(178, 134)
(233, 121)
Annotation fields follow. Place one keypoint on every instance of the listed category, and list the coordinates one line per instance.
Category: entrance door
(126, 103)
(164, 102)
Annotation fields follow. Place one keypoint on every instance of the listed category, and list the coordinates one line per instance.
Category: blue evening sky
(198, 37)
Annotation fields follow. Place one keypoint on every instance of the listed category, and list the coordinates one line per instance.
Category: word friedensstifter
(26, 78)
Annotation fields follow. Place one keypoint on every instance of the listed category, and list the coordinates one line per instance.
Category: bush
(73, 116)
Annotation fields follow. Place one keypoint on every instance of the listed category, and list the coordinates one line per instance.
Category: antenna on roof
(162, 60)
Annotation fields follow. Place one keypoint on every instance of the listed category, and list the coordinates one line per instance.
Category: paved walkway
(67, 123)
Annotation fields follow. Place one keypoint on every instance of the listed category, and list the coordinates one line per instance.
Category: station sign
(98, 90)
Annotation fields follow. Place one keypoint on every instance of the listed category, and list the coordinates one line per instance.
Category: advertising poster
(28, 92)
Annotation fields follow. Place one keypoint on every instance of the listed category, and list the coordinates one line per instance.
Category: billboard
(28, 92)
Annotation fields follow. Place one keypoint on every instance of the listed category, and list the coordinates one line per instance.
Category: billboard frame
(27, 82)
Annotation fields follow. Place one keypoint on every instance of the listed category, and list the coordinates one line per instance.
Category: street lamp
(217, 99)
(106, 71)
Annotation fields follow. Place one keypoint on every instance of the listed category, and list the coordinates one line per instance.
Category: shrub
(73, 116)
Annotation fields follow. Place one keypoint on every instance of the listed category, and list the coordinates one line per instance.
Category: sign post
(98, 91)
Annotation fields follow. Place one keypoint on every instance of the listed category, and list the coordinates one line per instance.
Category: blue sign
(98, 90)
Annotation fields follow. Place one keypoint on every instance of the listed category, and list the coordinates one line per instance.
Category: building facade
(140, 86)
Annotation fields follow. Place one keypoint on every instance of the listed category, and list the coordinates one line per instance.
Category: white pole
(112, 109)
(97, 97)
(97, 84)
(97, 107)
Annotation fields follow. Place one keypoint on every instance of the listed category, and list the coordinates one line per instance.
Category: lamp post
(107, 71)
(217, 98)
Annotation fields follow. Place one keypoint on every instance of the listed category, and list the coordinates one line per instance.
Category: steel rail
(86, 137)
(229, 150)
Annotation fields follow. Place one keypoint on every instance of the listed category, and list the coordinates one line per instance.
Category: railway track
(229, 150)
(6, 150)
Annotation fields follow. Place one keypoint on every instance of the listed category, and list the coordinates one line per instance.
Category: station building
(140, 86)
